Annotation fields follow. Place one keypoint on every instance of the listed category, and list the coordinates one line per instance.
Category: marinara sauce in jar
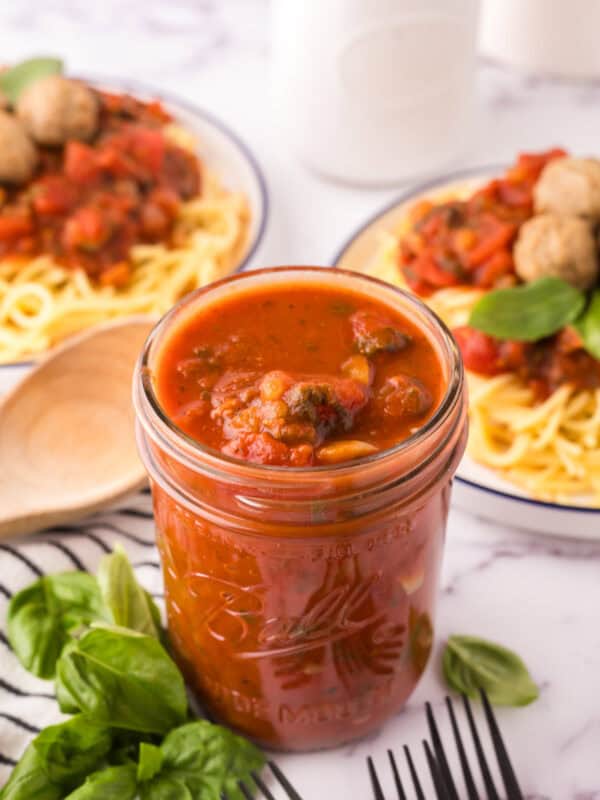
(301, 428)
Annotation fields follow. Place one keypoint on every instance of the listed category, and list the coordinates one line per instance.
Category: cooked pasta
(550, 449)
(41, 301)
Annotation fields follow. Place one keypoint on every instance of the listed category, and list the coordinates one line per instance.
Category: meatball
(18, 156)
(55, 109)
(562, 247)
(570, 186)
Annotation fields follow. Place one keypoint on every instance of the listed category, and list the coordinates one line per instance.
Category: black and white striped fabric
(27, 704)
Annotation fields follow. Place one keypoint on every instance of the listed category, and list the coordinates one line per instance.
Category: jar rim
(187, 448)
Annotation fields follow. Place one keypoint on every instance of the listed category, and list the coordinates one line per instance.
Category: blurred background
(218, 54)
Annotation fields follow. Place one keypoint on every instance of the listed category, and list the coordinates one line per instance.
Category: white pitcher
(374, 91)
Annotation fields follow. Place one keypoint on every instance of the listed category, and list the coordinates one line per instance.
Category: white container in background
(374, 91)
(559, 37)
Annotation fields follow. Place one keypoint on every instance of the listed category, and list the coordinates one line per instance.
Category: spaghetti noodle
(551, 449)
(126, 224)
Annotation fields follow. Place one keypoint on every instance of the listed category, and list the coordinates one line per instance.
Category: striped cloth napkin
(27, 704)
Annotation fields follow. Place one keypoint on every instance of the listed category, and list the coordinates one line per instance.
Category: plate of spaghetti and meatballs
(113, 202)
(509, 258)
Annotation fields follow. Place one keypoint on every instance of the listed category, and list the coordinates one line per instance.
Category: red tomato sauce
(544, 366)
(300, 603)
(286, 376)
(469, 242)
(88, 203)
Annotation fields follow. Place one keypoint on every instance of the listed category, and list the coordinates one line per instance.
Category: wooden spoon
(67, 445)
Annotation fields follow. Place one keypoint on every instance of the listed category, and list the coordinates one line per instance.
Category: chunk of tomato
(86, 229)
(13, 226)
(81, 163)
(480, 352)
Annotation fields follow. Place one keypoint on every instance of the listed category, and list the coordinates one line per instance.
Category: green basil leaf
(150, 762)
(165, 789)
(57, 761)
(17, 78)
(471, 664)
(42, 617)
(129, 605)
(528, 312)
(112, 783)
(209, 759)
(71, 750)
(588, 325)
(29, 780)
(121, 678)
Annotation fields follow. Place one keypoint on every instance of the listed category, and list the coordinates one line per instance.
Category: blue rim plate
(478, 489)
(259, 204)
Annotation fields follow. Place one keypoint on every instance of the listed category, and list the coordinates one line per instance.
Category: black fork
(439, 769)
(249, 792)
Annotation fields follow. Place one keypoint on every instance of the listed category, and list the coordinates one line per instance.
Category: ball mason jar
(301, 601)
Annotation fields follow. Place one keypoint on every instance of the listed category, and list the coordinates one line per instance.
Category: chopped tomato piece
(12, 226)
(480, 352)
(86, 229)
(54, 195)
(116, 275)
(81, 162)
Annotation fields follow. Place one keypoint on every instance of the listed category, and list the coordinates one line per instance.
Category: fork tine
(262, 785)
(396, 774)
(483, 765)
(245, 790)
(506, 770)
(413, 774)
(440, 754)
(467, 774)
(287, 786)
(441, 790)
(377, 790)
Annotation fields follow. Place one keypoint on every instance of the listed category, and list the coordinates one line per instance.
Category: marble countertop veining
(539, 595)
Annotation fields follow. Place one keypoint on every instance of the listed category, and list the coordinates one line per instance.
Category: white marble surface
(540, 596)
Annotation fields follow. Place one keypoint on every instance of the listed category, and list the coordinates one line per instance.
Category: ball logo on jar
(240, 617)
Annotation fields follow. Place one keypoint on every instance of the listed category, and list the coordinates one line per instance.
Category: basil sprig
(58, 760)
(121, 678)
(43, 617)
(14, 80)
(127, 603)
(588, 325)
(529, 312)
(127, 695)
(471, 664)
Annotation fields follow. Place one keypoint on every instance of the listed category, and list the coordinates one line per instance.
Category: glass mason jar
(300, 601)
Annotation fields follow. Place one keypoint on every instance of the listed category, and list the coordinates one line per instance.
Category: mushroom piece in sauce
(55, 109)
(570, 186)
(557, 246)
(18, 156)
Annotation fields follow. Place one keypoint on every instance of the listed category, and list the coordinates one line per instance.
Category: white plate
(218, 147)
(477, 489)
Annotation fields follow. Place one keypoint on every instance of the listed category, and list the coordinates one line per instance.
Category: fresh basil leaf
(209, 759)
(129, 605)
(42, 617)
(165, 789)
(112, 783)
(528, 312)
(57, 761)
(121, 678)
(150, 762)
(71, 750)
(588, 325)
(17, 78)
(29, 780)
(470, 664)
